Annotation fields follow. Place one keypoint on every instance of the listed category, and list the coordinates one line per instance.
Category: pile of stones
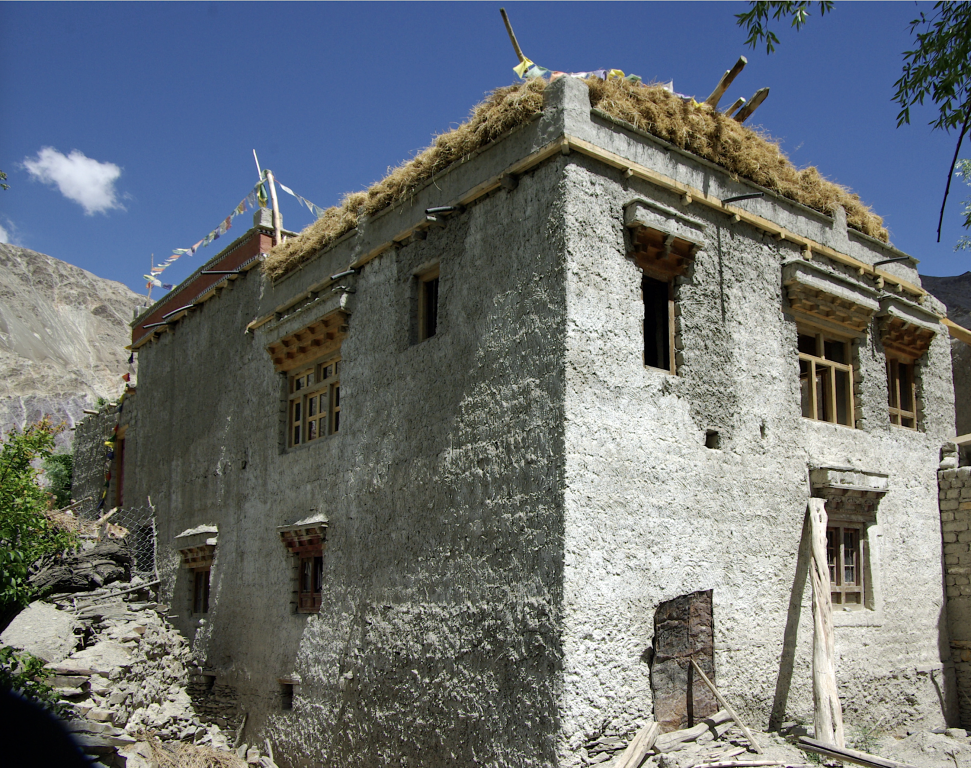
(122, 670)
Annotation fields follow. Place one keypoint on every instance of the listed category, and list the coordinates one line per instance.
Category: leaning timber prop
(728, 707)
(828, 720)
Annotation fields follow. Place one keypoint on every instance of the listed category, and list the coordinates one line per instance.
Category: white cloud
(4, 237)
(79, 178)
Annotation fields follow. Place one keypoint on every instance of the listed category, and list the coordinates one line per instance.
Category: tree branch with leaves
(938, 69)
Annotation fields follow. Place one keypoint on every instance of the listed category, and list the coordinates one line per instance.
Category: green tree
(59, 471)
(3, 178)
(938, 68)
(26, 533)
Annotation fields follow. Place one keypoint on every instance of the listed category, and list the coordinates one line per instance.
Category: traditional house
(473, 465)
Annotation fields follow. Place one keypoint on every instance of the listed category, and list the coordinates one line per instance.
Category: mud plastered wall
(651, 512)
(955, 502)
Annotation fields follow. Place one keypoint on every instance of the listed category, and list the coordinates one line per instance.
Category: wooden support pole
(712, 101)
(757, 98)
(828, 720)
(727, 707)
(512, 36)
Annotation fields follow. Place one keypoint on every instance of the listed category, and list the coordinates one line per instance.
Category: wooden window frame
(201, 590)
(313, 406)
(895, 388)
(310, 580)
(829, 395)
(428, 288)
(836, 556)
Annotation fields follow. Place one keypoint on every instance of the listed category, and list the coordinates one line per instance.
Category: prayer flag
(521, 67)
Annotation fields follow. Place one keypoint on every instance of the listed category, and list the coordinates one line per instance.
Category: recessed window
(826, 377)
(310, 582)
(314, 405)
(844, 555)
(200, 590)
(902, 392)
(658, 323)
(286, 696)
(428, 304)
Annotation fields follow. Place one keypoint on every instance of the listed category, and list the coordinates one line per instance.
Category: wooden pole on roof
(277, 233)
(727, 78)
(757, 98)
(512, 36)
(739, 102)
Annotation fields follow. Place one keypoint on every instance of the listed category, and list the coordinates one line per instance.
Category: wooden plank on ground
(666, 741)
(848, 755)
(638, 748)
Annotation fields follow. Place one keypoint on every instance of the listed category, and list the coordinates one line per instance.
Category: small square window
(428, 304)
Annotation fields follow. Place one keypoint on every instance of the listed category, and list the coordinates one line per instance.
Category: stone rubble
(125, 685)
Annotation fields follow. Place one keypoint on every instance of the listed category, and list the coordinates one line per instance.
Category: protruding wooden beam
(738, 104)
(712, 101)
(512, 36)
(745, 112)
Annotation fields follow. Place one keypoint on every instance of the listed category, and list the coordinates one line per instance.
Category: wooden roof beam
(727, 78)
(746, 112)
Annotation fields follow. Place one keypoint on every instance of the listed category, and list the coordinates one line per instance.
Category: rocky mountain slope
(63, 333)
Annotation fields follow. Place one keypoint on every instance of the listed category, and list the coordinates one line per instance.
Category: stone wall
(955, 494)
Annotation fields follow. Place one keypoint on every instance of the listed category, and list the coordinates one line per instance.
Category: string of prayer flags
(527, 70)
(255, 197)
(316, 210)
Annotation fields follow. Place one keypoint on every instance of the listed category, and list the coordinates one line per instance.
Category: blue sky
(170, 99)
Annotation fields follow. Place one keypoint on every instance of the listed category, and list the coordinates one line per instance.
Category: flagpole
(277, 234)
(151, 264)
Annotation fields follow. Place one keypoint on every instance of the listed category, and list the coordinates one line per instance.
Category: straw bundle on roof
(693, 127)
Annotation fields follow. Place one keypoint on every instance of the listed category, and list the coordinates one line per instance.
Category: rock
(107, 654)
(83, 571)
(99, 715)
(253, 756)
(138, 755)
(44, 631)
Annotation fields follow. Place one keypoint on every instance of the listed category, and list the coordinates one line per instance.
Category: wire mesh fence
(135, 528)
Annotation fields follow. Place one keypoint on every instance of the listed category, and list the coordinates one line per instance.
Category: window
(658, 323)
(310, 582)
(902, 392)
(844, 554)
(825, 377)
(314, 405)
(200, 590)
(306, 541)
(427, 304)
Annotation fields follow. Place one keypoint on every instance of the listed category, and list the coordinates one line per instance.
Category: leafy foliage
(756, 19)
(964, 171)
(3, 178)
(26, 534)
(939, 67)
(25, 674)
(59, 471)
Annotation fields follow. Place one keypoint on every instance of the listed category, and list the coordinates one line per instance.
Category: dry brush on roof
(696, 128)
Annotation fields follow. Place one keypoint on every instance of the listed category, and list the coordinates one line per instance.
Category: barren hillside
(62, 338)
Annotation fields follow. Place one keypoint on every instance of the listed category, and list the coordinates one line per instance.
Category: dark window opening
(200, 591)
(712, 439)
(902, 393)
(286, 696)
(428, 306)
(658, 323)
